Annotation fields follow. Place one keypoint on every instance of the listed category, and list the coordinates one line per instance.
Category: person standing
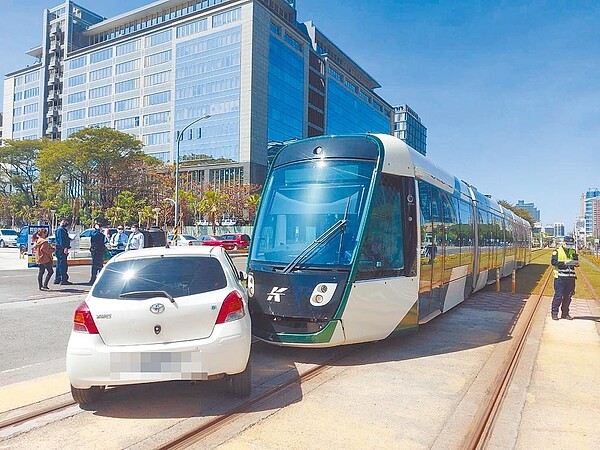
(136, 239)
(564, 260)
(97, 249)
(118, 241)
(43, 256)
(63, 244)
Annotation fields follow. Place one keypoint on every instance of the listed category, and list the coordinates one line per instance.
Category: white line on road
(41, 302)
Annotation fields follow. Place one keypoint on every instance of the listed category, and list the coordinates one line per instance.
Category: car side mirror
(243, 275)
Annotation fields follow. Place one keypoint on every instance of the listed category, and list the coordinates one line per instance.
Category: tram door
(432, 250)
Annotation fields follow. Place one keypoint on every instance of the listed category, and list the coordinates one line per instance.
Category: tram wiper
(319, 241)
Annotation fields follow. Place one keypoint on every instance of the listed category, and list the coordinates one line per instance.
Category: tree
(213, 203)
(18, 168)
(518, 211)
(125, 209)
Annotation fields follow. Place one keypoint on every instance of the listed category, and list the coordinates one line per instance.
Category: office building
(260, 75)
(588, 209)
(408, 127)
(530, 208)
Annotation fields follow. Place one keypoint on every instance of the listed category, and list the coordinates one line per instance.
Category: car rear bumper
(92, 363)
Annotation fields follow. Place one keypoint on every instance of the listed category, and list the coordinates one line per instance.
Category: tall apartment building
(595, 217)
(530, 208)
(588, 209)
(260, 75)
(408, 127)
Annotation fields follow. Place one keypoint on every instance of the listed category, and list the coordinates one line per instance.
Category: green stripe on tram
(319, 337)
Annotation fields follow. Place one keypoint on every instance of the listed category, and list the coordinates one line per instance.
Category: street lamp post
(179, 138)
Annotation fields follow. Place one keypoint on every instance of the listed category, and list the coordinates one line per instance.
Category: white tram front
(360, 237)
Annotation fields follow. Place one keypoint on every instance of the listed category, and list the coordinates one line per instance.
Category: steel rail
(35, 414)
(480, 432)
(197, 434)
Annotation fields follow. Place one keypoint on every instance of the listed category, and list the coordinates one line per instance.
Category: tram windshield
(304, 202)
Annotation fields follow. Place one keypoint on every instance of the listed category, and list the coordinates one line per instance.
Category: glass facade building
(530, 208)
(261, 76)
(589, 210)
(408, 127)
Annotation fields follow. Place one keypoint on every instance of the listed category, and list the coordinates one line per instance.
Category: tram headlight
(250, 284)
(322, 294)
(319, 299)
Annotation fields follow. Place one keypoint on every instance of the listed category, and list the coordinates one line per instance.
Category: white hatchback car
(161, 314)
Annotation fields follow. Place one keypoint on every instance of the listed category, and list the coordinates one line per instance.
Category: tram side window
(467, 234)
(382, 253)
(451, 225)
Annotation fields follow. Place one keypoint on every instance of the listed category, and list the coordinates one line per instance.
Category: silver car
(8, 237)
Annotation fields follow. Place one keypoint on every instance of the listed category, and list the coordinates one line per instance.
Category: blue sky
(508, 90)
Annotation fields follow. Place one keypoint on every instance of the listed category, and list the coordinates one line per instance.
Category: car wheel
(2, 244)
(84, 396)
(241, 383)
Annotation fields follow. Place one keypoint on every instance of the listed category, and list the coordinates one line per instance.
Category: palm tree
(213, 203)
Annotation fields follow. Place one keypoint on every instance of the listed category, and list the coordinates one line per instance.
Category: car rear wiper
(147, 294)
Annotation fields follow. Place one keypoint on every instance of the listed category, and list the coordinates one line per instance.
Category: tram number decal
(275, 294)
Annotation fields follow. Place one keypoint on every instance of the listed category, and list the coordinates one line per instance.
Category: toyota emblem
(157, 308)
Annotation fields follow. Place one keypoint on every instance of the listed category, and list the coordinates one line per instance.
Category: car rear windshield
(10, 233)
(177, 276)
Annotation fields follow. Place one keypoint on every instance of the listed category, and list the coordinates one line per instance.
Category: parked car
(215, 241)
(85, 237)
(8, 237)
(240, 240)
(183, 239)
(162, 314)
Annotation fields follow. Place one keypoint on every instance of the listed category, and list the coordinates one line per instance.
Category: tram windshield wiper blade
(312, 247)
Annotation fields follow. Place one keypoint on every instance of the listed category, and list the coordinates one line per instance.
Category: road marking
(28, 392)
(23, 367)
(41, 302)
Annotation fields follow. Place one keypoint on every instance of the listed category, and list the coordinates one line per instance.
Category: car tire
(85, 396)
(2, 244)
(241, 383)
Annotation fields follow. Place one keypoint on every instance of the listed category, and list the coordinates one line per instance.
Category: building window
(226, 17)
(192, 28)
(157, 78)
(76, 97)
(125, 105)
(127, 85)
(126, 124)
(293, 42)
(158, 98)
(157, 138)
(128, 47)
(29, 124)
(100, 74)
(31, 108)
(76, 114)
(76, 80)
(77, 62)
(70, 131)
(157, 118)
(28, 93)
(101, 91)
(276, 29)
(17, 111)
(158, 58)
(101, 55)
(127, 66)
(18, 96)
(158, 38)
(16, 126)
(31, 77)
(99, 110)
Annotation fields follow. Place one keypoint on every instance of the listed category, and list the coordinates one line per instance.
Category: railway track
(482, 426)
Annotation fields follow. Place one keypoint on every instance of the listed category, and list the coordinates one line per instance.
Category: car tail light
(232, 308)
(191, 243)
(83, 320)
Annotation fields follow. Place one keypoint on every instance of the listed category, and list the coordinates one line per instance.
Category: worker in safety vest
(564, 260)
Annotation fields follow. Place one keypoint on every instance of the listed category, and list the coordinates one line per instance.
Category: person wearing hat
(564, 260)
(97, 249)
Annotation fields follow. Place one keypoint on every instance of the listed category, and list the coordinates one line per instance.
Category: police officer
(97, 249)
(63, 244)
(564, 260)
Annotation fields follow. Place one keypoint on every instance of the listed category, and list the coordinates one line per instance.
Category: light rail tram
(360, 237)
